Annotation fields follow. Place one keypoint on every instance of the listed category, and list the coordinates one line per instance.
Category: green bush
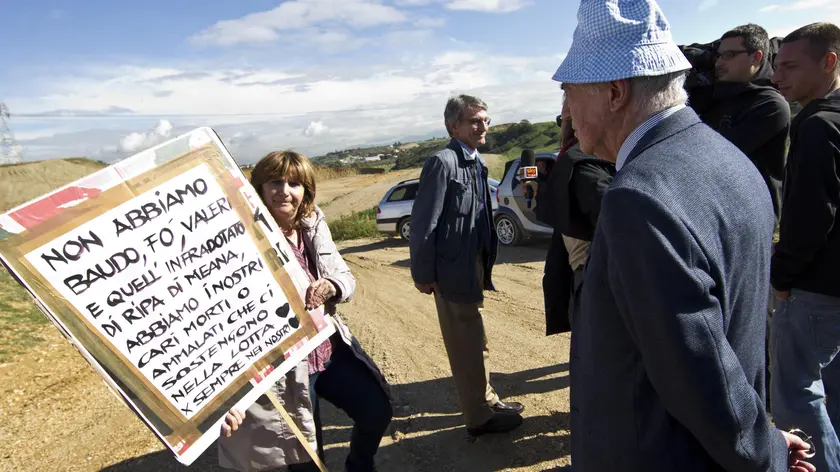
(355, 225)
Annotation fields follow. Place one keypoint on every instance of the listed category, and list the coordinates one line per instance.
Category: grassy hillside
(507, 139)
(416, 155)
(25, 181)
(324, 172)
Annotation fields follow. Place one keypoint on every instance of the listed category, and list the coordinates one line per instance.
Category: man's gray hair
(455, 107)
(656, 93)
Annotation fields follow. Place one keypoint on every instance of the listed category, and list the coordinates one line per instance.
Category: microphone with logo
(528, 173)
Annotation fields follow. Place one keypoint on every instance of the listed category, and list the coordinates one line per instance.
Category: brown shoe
(499, 423)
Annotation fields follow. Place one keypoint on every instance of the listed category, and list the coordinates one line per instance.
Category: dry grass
(356, 225)
(25, 181)
(28, 180)
(20, 320)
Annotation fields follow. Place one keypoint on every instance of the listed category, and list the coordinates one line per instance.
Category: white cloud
(707, 4)
(315, 128)
(797, 6)
(830, 14)
(501, 6)
(256, 111)
(298, 15)
(430, 22)
(407, 37)
(136, 142)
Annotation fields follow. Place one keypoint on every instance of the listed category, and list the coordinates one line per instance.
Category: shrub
(356, 225)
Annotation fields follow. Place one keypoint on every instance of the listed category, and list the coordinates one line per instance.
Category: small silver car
(515, 222)
(393, 214)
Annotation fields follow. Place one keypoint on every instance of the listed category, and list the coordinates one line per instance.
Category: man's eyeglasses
(477, 121)
(727, 55)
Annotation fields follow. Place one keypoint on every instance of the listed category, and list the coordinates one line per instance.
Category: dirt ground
(56, 413)
(339, 197)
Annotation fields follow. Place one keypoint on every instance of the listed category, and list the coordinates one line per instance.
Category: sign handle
(288, 419)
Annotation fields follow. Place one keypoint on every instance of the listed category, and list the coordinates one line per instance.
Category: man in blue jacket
(453, 248)
(667, 358)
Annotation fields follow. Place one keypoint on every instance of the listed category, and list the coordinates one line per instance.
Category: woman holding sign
(338, 371)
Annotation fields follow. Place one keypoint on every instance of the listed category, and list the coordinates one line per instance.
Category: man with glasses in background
(453, 248)
(746, 108)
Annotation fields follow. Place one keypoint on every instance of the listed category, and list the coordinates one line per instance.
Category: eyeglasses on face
(728, 55)
(477, 121)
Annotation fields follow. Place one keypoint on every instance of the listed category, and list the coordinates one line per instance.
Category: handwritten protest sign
(169, 278)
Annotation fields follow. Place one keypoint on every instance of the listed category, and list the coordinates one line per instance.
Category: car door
(401, 200)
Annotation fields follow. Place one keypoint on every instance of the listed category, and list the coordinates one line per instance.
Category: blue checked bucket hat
(620, 39)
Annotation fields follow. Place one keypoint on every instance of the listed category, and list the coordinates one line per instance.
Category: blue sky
(107, 79)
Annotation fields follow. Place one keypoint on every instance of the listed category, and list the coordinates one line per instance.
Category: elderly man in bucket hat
(667, 358)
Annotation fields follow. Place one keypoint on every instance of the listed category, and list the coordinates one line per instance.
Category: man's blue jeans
(805, 341)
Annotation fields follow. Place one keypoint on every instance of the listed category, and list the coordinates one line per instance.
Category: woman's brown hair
(292, 166)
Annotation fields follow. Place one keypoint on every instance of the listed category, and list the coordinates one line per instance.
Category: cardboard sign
(172, 279)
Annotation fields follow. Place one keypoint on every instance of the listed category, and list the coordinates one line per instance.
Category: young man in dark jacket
(805, 269)
(746, 109)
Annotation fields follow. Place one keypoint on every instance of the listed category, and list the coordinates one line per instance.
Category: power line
(10, 150)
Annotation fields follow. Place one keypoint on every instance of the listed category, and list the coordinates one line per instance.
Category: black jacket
(807, 256)
(569, 202)
(755, 117)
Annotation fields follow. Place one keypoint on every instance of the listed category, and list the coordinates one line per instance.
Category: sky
(106, 79)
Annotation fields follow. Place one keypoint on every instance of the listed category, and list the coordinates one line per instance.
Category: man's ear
(757, 57)
(830, 62)
(619, 91)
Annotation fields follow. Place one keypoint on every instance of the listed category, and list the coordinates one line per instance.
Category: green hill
(507, 139)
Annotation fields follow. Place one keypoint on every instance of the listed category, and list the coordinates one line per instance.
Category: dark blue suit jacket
(668, 339)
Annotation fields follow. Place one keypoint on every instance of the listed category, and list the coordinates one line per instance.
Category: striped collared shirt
(634, 138)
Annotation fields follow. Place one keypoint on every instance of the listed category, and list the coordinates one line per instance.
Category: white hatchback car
(515, 221)
(393, 214)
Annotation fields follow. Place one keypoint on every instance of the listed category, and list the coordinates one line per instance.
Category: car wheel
(508, 230)
(404, 228)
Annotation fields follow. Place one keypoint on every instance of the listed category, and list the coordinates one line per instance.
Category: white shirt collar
(473, 153)
(634, 137)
